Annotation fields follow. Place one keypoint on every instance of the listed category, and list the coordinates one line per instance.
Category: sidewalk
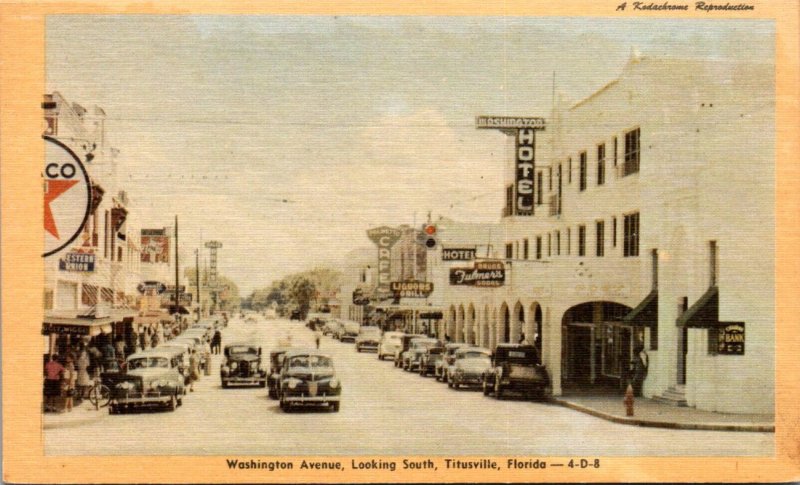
(658, 415)
(80, 415)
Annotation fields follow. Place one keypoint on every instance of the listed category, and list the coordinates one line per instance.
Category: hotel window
(558, 243)
(601, 164)
(654, 263)
(569, 240)
(558, 201)
(615, 151)
(516, 249)
(600, 234)
(550, 179)
(549, 244)
(614, 231)
(631, 152)
(509, 200)
(713, 260)
(538, 247)
(581, 240)
(525, 248)
(569, 170)
(539, 187)
(630, 239)
(582, 169)
(509, 251)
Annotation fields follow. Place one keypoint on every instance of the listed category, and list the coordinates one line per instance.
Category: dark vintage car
(429, 359)
(411, 358)
(275, 364)
(308, 378)
(402, 345)
(440, 372)
(516, 368)
(469, 366)
(296, 315)
(152, 378)
(242, 366)
(368, 338)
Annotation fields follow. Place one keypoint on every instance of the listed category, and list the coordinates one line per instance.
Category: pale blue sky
(360, 121)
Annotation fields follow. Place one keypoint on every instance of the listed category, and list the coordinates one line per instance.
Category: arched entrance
(451, 324)
(504, 325)
(536, 338)
(596, 346)
(483, 332)
(493, 329)
(518, 323)
(470, 324)
(459, 336)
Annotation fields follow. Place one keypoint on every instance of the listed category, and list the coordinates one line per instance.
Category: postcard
(351, 243)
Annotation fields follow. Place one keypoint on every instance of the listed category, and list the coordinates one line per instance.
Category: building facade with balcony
(653, 226)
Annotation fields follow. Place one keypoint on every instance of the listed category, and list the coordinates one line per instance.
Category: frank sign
(384, 237)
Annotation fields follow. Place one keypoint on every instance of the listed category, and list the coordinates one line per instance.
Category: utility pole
(177, 301)
(197, 282)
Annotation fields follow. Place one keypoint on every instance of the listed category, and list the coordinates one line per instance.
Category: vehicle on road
(183, 349)
(152, 378)
(330, 327)
(295, 315)
(516, 368)
(336, 329)
(308, 378)
(469, 365)
(447, 360)
(411, 358)
(429, 359)
(350, 331)
(274, 377)
(403, 345)
(368, 338)
(390, 342)
(241, 365)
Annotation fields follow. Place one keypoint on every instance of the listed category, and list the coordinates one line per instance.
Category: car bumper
(140, 399)
(523, 385)
(367, 345)
(243, 380)
(348, 338)
(312, 399)
(470, 379)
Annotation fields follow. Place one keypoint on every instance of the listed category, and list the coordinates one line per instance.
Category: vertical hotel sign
(384, 237)
(524, 132)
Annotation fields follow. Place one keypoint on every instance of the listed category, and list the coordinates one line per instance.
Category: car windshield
(393, 338)
(370, 331)
(309, 361)
(242, 349)
(519, 356)
(473, 355)
(351, 327)
(148, 362)
(425, 344)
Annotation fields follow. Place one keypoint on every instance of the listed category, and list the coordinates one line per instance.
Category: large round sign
(67, 196)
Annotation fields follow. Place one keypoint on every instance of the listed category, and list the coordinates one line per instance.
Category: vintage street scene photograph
(408, 236)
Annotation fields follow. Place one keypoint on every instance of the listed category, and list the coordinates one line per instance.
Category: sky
(287, 137)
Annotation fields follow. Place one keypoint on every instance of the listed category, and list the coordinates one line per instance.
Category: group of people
(70, 376)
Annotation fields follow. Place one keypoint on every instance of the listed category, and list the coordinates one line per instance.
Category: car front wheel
(335, 407)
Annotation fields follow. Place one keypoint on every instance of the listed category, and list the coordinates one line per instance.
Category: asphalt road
(384, 411)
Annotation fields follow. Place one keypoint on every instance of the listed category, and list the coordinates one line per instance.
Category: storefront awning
(646, 313)
(173, 309)
(74, 325)
(704, 313)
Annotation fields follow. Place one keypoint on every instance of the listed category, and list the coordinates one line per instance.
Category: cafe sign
(730, 338)
(384, 237)
(81, 262)
(412, 289)
(486, 274)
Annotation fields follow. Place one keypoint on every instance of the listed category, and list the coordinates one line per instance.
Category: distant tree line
(304, 292)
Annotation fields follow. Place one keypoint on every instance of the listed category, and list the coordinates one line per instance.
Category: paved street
(384, 411)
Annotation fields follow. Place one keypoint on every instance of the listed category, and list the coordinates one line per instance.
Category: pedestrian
(68, 378)
(216, 342)
(206, 358)
(317, 336)
(522, 338)
(639, 364)
(109, 356)
(194, 369)
(84, 381)
(52, 382)
(120, 348)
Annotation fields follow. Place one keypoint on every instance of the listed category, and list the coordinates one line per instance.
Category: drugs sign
(67, 196)
(490, 274)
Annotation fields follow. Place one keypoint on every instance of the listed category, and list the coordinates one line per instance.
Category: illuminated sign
(458, 254)
(491, 274)
(411, 289)
(384, 237)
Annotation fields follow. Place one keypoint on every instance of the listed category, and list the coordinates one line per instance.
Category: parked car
(308, 378)
(329, 327)
(411, 358)
(468, 367)
(403, 345)
(242, 365)
(447, 360)
(336, 329)
(429, 359)
(152, 378)
(275, 364)
(349, 332)
(516, 368)
(389, 344)
(182, 348)
(368, 338)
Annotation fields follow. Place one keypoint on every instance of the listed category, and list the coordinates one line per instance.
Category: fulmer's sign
(485, 274)
(412, 289)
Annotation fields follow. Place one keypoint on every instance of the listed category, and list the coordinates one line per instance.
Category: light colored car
(440, 370)
(152, 378)
(350, 331)
(468, 367)
(368, 338)
(411, 359)
(390, 344)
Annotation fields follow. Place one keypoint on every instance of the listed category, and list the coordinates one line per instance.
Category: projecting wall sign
(458, 254)
(384, 237)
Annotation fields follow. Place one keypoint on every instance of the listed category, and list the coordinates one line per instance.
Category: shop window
(525, 248)
(549, 244)
(630, 240)
(713, 340)
(631, 152)
(569, 170)
(538, 247)
(600, 235)
(582, 240)
(509, 251)
(539, 187)
(615, 150)
(582, 169)
(601, 164)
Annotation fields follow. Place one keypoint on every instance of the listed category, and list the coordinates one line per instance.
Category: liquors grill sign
(491, 274)
(411, 289)
(384, 237)
(83, 262)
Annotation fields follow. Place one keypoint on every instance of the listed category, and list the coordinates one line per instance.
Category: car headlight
(234, 365)
(334, 383)
(225, 369)
(459, 371)
(293, 383)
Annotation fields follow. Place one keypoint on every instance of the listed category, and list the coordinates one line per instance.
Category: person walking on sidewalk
(640, 363)
(68, 378)
(52, 382)
(216, 342)
(317, 335)
(194, 369)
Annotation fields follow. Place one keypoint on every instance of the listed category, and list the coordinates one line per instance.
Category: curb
(55, 423)
(747, 427)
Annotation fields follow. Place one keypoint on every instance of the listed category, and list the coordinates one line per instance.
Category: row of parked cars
(157, 377)
(511, 368)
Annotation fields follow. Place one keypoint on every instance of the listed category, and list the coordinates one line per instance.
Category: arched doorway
(517, 323)
(459, 336)
(470, 324)
(483, 332)
(596, 346)
(451, 324)
(504, 325)
(536, 338)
